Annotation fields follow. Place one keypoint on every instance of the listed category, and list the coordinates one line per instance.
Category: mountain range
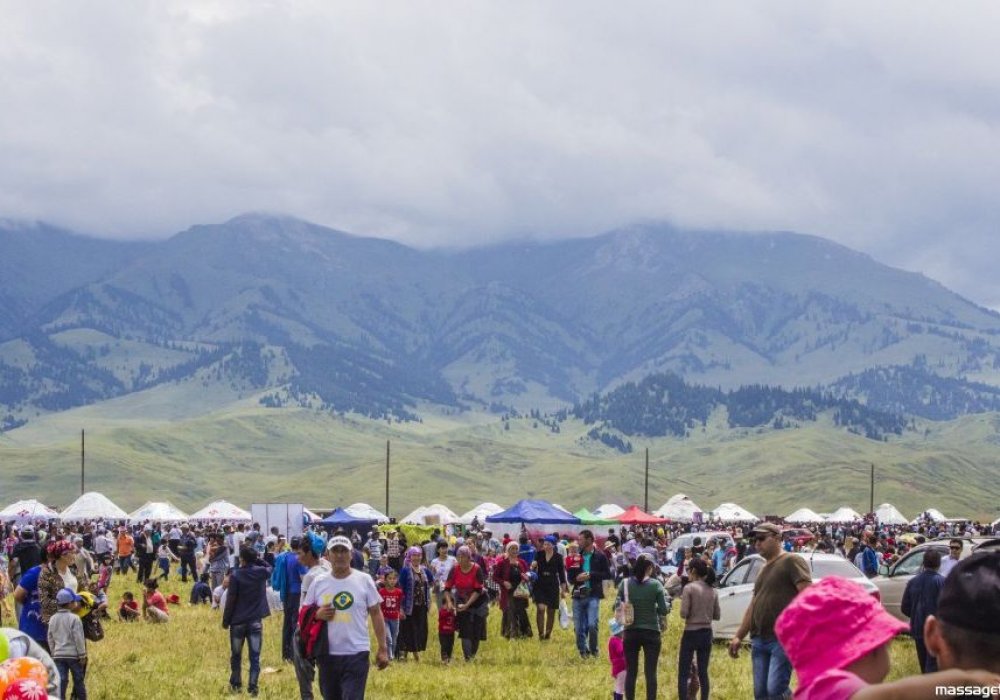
(308, 316)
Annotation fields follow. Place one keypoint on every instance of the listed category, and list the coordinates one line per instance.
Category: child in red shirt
(128, 610)
(446, 633)
(392, 606)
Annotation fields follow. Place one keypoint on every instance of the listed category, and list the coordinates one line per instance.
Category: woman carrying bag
(511, 573)
(642, 607)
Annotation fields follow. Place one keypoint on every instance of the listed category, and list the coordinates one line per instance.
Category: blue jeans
(585, 622)
(772, 671)
(74, 667)
(252, 633)
(391, 636)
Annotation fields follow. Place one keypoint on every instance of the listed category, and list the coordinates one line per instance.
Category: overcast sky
(874, 124)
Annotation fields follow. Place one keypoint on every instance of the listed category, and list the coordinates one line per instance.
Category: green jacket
(648, 601)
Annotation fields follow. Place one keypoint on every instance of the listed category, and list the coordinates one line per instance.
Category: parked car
(892, 580)
(736, 587)
(687, 540)
(798, 535)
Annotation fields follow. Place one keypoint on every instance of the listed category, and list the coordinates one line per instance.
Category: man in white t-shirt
(347, 598)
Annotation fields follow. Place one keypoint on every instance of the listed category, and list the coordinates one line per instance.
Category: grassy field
(189, 658)
(246, 453)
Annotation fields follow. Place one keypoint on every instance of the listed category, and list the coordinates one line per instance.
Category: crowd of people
(329, 586)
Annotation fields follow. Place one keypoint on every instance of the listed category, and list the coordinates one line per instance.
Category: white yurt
(678, 508)
(932, 513)
(158, 512)
(93, 506)
(363, 510)
(887, 514)
(414, 517)
(482, 511)
(732, 513)
(437, 514)
(222, 510)
(607, 511)
(313, 518)
(27, 511)
(843, 515)
(804, 515)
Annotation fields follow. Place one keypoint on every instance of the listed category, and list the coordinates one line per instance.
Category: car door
(734, 596)
(892, 587)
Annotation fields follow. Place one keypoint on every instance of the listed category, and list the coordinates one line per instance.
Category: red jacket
(502, 572)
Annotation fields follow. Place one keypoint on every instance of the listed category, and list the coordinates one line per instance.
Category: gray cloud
(434, 124)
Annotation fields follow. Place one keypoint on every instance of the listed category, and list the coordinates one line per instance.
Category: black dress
(551, 574)
(413, 628)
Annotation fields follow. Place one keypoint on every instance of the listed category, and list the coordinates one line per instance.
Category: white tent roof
(844, 515)
(26, 511)
(731, 512)
(415, 517)
(221, 510)
(608, 510)
(436, 512)
(932, 513)
(888, 515)
(363, 510)
(804, 515)
(678, 507)
(482, 511)
(313, 518)
(158, 511)
(93, 506)
(556, 505)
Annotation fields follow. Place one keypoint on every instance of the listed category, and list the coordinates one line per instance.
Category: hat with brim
(839, 617)
(339, 541)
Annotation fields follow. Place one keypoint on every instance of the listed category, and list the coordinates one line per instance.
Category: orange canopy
(634, 515)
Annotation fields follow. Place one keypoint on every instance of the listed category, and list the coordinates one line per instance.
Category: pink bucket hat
(838, 617)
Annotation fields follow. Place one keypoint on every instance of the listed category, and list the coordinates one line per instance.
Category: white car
(736, 587)
(687, 540)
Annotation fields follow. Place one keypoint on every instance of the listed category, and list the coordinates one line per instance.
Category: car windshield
(834, 567)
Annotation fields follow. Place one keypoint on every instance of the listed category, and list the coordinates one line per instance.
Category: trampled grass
(189, 658)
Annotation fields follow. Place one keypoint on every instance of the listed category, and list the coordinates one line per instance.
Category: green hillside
(243, 452)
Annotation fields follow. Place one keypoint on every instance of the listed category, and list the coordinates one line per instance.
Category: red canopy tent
(634, 515)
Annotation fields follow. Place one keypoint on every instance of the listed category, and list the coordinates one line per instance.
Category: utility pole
(387, 478)
(645, 500)
(871, 497)
(82, 463)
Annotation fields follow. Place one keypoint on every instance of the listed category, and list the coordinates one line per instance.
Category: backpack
(279, 574)
(869, 562)
(310, 638)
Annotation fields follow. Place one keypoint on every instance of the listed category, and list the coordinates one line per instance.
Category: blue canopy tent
(534, 511)
(341, 518)
(540, 517)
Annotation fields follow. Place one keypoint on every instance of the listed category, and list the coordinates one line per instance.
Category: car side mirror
(883, 570)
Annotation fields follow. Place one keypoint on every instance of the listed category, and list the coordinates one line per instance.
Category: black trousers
(291, 619)
(343, 677)
(447, 642)
(145, 567)
(649, 642)
(694, 643)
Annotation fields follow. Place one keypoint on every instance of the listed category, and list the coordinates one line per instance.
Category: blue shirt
(719, 560)
(293, 573)
(31, 612)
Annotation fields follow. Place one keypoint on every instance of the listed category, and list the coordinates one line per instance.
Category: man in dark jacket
(588, 580)
(920, 600)
(246, 608)
(186, 547)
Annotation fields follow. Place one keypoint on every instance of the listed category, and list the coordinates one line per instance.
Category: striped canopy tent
(222, 510)
(27, 511)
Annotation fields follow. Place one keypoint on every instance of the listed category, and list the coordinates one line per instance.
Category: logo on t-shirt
(343, 600)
